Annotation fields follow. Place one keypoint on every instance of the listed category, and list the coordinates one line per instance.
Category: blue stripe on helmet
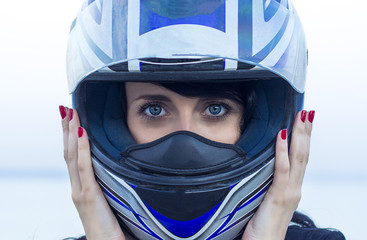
(271, 10)
(119, 202)
(184, 228)
(96, 13)
(137, 216)
(97, 50)
(229, 217)
(273, 43)
(154, 15)
(245, 27)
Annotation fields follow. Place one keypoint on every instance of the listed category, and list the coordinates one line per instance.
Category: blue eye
(154, 110)
(215, 109)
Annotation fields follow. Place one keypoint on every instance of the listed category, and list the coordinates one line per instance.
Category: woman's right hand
(96, 215)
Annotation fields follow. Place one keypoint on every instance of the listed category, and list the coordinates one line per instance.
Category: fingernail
(303, 115)
(311, 116)
(80, 132)
(283, 134)
(70, 114)
(62, 111)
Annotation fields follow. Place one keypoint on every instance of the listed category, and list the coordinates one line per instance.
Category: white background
(34, 190)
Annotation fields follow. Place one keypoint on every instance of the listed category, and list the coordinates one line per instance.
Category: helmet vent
(179, 64)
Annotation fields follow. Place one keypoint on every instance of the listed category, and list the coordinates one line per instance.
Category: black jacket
(307, 233)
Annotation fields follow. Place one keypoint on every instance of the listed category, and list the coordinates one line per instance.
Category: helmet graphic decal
(163, 34)
(95, 10)
(246, 201)
(264, 28)
(154, 14)
(141, 225)
(266, 31)
(271, 35)
(270, 8)
(184, 229)
(98, 19)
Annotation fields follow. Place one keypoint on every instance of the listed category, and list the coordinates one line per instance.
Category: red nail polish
(80, 132)
(70, 114)
(303, 115)
(283, 134)
(62, 111)
(311, 116)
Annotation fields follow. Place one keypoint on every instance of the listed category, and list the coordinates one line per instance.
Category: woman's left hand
(276, 210)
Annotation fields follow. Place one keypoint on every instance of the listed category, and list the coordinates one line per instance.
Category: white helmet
(152, 189)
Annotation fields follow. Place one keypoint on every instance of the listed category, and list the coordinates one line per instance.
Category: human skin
(273, 215)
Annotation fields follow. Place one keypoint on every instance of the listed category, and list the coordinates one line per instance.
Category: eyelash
(226, 107)
(143, 108)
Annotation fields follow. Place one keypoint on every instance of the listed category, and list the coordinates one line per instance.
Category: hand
(276, 210)
(98, 220)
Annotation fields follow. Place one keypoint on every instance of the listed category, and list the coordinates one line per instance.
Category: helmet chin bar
(143, 211)
(183, 186)
(181, 155)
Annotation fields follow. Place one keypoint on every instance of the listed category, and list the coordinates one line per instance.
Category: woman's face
(154, 111)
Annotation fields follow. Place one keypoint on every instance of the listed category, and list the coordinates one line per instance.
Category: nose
(186, 122)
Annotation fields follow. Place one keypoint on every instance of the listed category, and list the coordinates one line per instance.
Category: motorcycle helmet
(183, 186)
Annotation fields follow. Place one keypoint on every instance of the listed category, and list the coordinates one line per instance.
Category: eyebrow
(153, 98)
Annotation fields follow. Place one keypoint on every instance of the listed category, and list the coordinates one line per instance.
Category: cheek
(141, 136)
(135, 128)
(143, 132)
(228, 131)
(228, 135)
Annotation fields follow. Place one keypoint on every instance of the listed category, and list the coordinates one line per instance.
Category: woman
(182, 103)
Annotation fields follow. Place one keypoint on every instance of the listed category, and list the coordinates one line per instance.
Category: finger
(65, 128)
(86, 172)
(299, 150)
(310, 118)
(72, 161)
(281, 170)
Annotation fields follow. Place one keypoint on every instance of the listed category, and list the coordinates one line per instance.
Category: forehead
(138, 90)
(185, 92)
